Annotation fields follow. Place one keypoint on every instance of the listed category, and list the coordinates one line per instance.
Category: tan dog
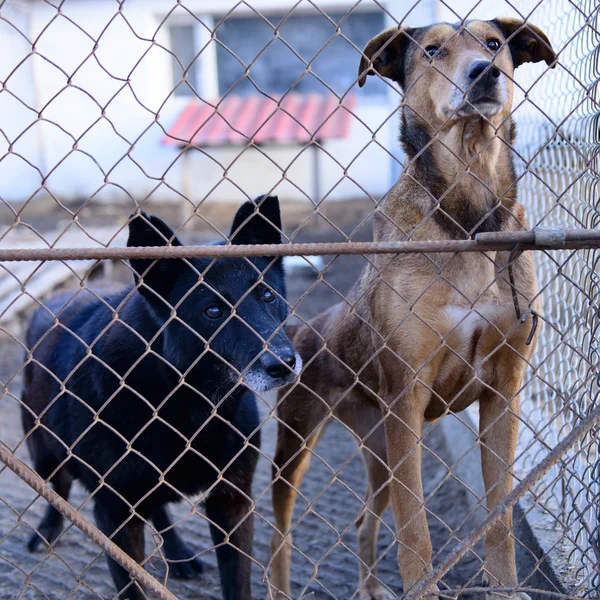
(424, 335)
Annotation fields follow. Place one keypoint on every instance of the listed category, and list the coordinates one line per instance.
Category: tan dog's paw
(501, 596)
(375, 590)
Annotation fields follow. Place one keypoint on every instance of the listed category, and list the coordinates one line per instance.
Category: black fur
(526, 43)
(412, 46)
(416, 142)
(463, 220)
(396, 55)
(130, 434)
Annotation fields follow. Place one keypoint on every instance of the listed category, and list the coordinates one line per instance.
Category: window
(334, 61)
(183, 46)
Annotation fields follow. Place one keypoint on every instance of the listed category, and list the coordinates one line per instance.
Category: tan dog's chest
(453, 322)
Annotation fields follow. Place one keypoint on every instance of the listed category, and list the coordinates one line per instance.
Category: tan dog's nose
(483, 73)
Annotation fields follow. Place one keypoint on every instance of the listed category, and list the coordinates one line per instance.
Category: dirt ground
(324, 531)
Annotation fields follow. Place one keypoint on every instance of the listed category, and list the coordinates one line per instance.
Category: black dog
(152, 387)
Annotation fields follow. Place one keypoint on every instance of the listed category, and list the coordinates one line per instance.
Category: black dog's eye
(268, 295)
(431, 50)
(494, 44)
(213, 312)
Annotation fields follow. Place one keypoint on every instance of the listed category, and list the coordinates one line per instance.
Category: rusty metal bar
(574, 239)
(34, 481)
(526, 484)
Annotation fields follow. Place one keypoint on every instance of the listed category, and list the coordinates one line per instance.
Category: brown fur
(425, 335)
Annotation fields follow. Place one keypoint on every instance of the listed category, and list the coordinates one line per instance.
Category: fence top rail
(541, 238)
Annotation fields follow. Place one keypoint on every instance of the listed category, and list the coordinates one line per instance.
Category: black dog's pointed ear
(527, 43)
(257, 222)
(385, 55)
(148, 230)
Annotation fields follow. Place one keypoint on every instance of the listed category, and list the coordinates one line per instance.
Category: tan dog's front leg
(377, 502)
(293, 458)
(499, 426)
(368, 427)
(403, 430)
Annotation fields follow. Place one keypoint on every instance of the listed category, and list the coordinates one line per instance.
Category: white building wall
(19, 136)
(349, 168)
(103, 86)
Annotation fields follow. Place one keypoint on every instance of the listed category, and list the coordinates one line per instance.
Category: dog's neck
(467, 167)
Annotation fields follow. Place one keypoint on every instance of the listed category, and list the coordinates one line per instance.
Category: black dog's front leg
(130, 538)
(183, 563)
(229, 512)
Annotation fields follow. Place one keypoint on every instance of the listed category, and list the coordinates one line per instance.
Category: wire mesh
(188, 110)
(567, 192)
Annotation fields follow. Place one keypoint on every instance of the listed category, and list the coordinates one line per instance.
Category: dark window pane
(184, 48)
(282, 65)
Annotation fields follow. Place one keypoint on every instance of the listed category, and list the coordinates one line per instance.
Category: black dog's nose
(278, 366)
(486, 73)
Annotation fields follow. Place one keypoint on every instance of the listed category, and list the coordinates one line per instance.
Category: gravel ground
(77, 569)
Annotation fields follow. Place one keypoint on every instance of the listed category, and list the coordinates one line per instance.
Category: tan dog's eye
(494, 44)
(431, 50)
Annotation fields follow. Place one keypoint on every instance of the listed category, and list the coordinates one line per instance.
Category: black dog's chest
(183, 439)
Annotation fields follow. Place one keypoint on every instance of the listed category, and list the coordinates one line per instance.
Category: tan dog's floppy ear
(527, 43)
(385, 54)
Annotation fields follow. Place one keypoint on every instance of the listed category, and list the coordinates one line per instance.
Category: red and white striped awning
(237, 120)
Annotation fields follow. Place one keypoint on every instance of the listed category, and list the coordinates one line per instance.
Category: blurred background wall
(109, 84)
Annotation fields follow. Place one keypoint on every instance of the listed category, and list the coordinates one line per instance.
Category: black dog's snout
(484, 72)
(278, 366)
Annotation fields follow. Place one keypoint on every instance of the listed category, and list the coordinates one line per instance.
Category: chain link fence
(567, 193)
(394, 315)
